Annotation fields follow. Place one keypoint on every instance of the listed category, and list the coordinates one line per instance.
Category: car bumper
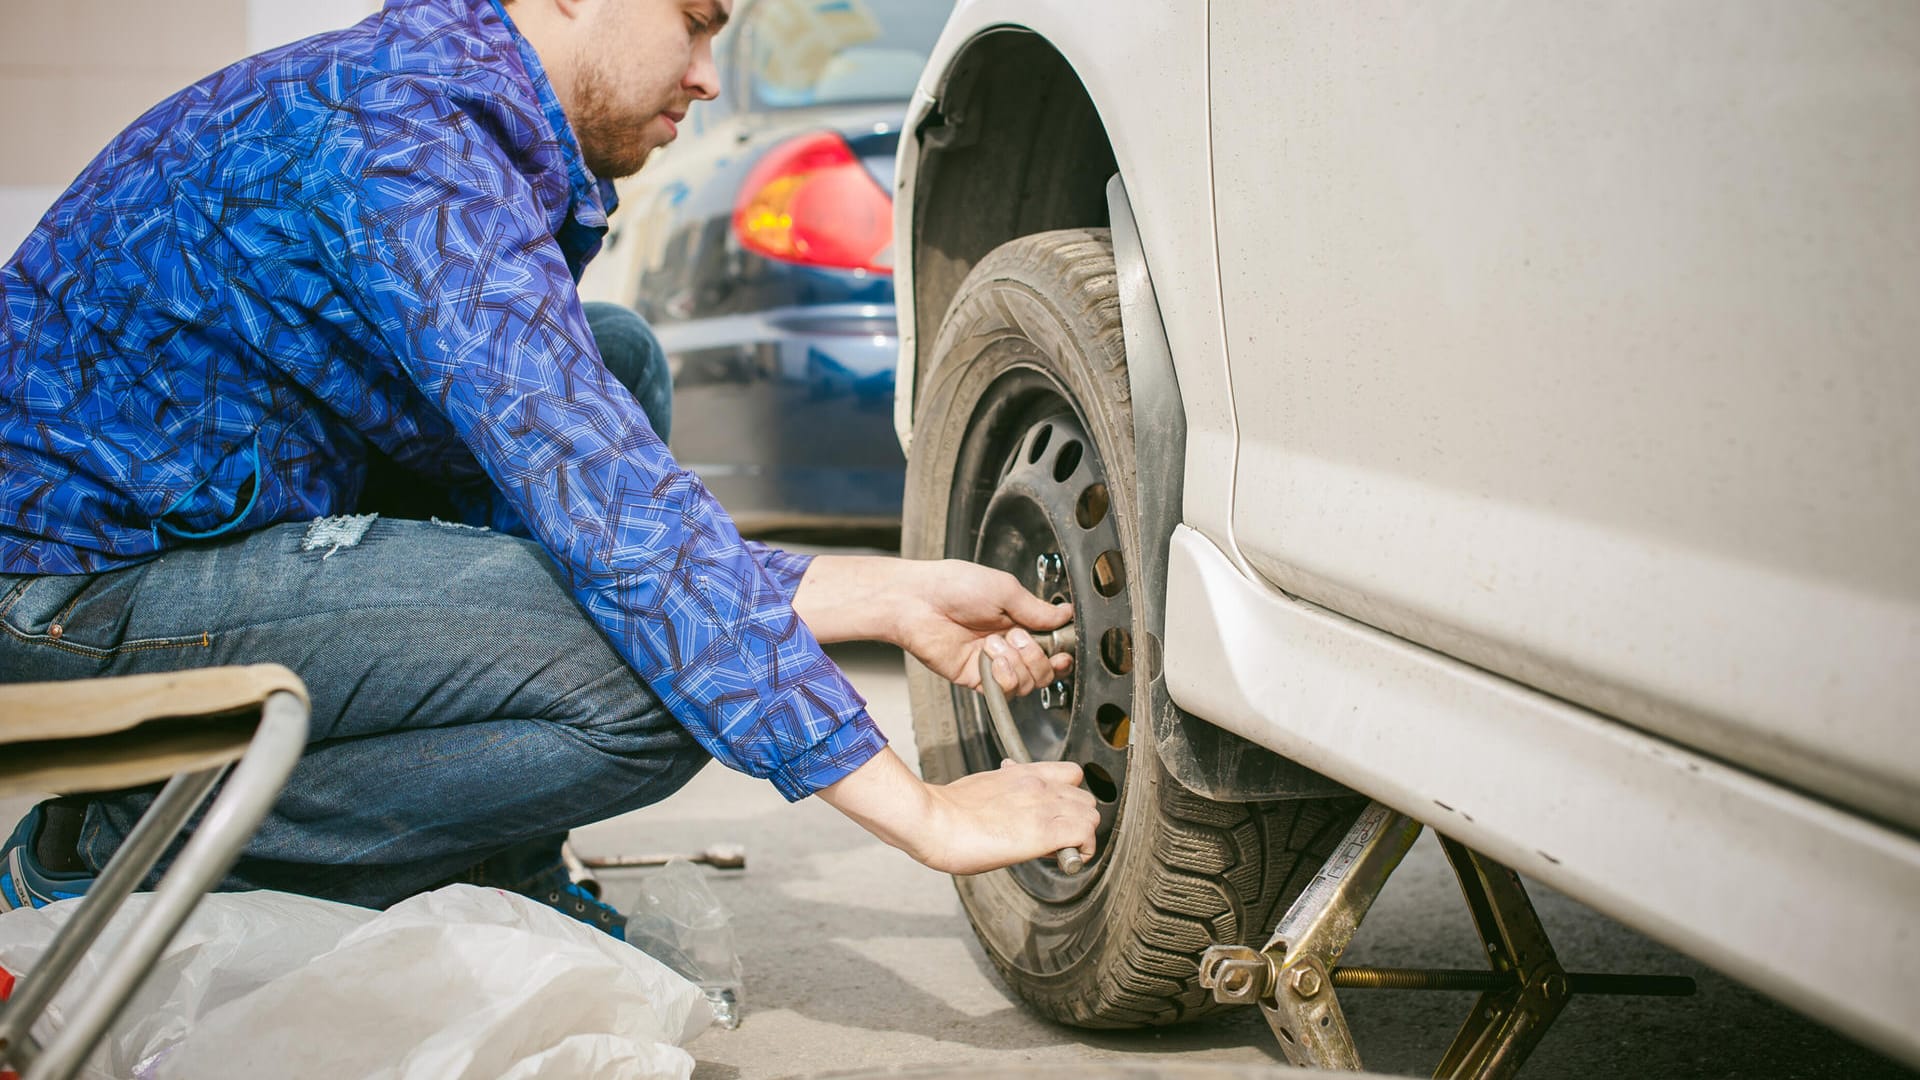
(786, 415)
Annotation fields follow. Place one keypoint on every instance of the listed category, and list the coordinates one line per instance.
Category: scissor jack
(1294, 978)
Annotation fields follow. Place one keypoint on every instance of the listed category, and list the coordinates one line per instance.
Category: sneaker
(569, 898)
(533, 869)
(39, 863)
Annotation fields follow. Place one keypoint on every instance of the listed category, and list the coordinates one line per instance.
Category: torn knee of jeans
(443, 523)
(337, 532)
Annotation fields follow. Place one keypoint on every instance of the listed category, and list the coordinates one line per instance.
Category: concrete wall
(74, 72)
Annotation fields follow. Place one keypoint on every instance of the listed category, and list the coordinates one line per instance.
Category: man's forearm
(977, 823)
(885, 798)
(853, 597)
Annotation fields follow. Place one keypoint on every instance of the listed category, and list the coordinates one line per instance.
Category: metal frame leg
(1505, 1024)
(255, 783)
(142, 848)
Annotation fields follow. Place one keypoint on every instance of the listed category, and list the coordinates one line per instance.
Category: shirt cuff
(783, 568)
(828, 761)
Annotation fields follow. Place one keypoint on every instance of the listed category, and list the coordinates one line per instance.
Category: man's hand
(959, 609)
(977, 823)
(942, 612)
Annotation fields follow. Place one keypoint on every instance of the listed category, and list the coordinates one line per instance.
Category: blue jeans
(466, 712)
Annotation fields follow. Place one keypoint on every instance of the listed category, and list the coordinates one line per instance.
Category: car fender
(1204, 758)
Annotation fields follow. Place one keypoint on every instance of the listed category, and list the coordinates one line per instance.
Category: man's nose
(703, 78)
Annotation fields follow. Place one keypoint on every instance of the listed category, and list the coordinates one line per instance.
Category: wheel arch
(1012, 144)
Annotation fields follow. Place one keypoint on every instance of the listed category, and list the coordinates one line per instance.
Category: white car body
(1551, 379)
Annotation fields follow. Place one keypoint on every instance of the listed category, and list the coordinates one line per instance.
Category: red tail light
(811, 201)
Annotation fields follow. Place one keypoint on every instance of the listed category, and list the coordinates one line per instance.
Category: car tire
(1023, 441)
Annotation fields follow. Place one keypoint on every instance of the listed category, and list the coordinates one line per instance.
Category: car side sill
(1801, 900)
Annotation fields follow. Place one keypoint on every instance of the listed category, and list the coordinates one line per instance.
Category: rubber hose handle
(1069, 859)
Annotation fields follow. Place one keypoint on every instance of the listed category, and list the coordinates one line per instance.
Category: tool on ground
(1293, 979)
(577, 871)
(719, 856)
(1070, 860)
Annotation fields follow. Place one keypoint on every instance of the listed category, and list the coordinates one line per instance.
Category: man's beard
(609, 143)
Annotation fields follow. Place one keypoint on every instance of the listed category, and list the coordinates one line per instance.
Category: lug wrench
(1069, 859)
(719, 856)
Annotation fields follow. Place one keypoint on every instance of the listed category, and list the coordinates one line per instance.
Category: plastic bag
(679, 920)
(223, 952)
(462, 982)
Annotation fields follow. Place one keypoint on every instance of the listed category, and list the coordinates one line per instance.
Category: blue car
(760, 247)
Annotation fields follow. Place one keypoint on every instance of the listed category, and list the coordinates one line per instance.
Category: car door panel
(1577, 342)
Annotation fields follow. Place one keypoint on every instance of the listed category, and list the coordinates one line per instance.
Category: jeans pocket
(84, 614)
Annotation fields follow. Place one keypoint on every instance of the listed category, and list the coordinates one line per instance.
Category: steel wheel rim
(1051, 499)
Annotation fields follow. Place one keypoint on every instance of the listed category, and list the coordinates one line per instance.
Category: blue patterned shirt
(372, 238)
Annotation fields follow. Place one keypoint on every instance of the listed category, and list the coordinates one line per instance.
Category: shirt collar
(593, 198)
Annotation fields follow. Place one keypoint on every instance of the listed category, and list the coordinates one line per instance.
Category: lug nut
(1054, 696)
(1049, 567)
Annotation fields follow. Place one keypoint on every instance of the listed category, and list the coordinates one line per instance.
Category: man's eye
(695, 26)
